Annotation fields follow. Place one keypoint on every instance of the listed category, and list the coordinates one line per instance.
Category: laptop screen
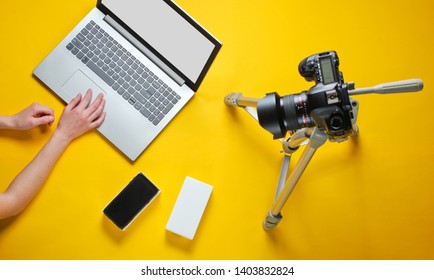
(169, 31)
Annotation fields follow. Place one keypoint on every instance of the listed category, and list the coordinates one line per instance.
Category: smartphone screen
(131, 201)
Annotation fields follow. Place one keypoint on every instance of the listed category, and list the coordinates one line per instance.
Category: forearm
(6, 122)
(27, 183)
(78, 117)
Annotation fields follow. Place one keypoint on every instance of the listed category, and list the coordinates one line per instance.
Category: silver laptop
(148, 58)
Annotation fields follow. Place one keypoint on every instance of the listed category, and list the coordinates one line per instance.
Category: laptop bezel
(217, 45)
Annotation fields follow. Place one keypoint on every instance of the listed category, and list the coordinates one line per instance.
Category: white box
(189, 207)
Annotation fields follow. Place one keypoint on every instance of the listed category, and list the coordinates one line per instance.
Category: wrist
(7, 122)
(61, 138)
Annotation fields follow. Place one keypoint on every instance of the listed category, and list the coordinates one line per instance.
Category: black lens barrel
(281, 114)
(271, 116)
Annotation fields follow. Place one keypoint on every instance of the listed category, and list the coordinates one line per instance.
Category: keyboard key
(146, 85)
(116, 86)
(77, 43)
(167, 109)
(75, 51)
(100, 73)
(131, 90)
(145, 93)
(81, 37)
(121, 91)
(126, 96)
(151, 90)
(140, 98)
(85, 59)
(132, 101)
(157, 119)
(95, 59)
(145, 112)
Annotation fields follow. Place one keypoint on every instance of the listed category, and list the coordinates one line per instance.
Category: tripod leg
(283, 174)
(238, 100)
(317, 139)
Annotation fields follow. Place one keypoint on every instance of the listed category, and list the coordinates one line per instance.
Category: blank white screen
(167, 32)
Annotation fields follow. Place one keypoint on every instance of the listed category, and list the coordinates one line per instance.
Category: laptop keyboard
(123, 72)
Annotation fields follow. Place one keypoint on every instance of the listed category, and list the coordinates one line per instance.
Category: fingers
(93, 112)
(84, 103)
(96, 123)
(42, 115)
(96, 108)
(42, 110)
(96, 104)
(86, 100)
(74, 102)
(43, 120)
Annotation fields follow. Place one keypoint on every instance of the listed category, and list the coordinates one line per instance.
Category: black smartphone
(131, 201)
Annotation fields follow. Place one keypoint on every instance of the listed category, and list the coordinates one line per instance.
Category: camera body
(326, 105)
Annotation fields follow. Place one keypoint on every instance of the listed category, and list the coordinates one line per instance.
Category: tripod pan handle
(411, 85)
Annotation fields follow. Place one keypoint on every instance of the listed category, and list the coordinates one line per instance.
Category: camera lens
(270, 115)
(296, 111)
(281, 114)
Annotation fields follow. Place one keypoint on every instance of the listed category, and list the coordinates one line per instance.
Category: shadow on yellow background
(370, 198)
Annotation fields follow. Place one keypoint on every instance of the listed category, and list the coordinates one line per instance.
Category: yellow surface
(367, 199)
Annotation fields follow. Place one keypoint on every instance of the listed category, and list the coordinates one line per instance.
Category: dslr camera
(326, 105)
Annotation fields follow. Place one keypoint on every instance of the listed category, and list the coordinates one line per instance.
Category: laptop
(148, 58)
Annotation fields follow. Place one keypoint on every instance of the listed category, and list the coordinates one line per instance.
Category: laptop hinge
(144, 50)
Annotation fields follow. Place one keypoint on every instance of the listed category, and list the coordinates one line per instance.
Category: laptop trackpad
(79, 83)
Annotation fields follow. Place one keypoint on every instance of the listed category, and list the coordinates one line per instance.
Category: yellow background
(367, 199)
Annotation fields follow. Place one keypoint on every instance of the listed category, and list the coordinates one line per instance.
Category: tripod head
(326, 105)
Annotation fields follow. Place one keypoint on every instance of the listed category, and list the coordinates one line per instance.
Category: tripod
(312, 137)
